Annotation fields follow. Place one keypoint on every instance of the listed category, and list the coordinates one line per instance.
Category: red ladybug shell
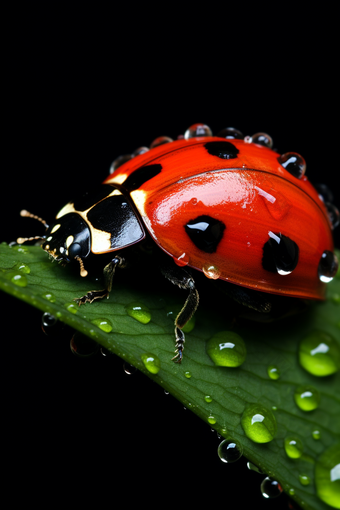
(250, 197)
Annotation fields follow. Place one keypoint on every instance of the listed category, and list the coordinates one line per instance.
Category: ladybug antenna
(83, 271)
(27, 214)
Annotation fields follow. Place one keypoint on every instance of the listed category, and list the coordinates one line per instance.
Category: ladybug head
(66, 239)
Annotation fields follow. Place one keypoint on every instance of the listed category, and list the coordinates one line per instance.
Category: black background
(80, 89)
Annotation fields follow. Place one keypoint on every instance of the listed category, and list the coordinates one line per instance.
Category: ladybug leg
(108, 272)
(184, 280)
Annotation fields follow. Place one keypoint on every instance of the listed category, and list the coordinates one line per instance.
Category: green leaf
(136, 323)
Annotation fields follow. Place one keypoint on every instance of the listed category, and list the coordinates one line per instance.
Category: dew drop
(328, 266)
(49, 297)
(187, 374)
(270, 488)
(327, 476)
(182, 260)
(227, 349)
(129, 369)
(333, 214)
(139, 312)
(262, 139)
(71, 307)
(316, 434)
(293, 163)
(307, 398)
(304, 479)
(23, 268)
(293, 447)
(21, 249)
(230, 132)
(103, 324)
(259, 423)
(17, 278)
(273, 372)
(229, 451)
(47, 321)
(119, 162)
(211, 420)
(208, 399)
(252, 467)
(211, 271)
(151, 362)
(197, 130)
(161, 140)
(319, 354)
(83, 346)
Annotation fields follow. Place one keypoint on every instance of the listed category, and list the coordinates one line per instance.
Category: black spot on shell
(141, 175)
(223, 150)
(205, 232)
(280, 254)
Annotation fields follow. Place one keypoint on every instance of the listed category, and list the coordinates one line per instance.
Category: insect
(228, 206)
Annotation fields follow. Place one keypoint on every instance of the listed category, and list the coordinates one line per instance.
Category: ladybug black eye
(74, 250)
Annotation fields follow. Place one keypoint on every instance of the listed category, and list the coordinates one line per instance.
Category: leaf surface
(28, 274)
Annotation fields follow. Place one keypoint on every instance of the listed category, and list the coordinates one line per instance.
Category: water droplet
(139, 312)
(211, 420)
(151, 362)
(307, 398)
(72, 307)
(230, 132)
(47, 321)
(270, 488)
(83, 346)
(333, 214)
(160, 141)
(17, 278)
(182, 260)
(229, 451)
(49, 297)
(293, 447)
(227, 349)
(259, 423)
(103, 324)
(316, 434)
(187, 374)
(21, 249)
(293, 163)
(327, 476)
(304, 479)
(262, 139)
(129, 369)
(273, 372)
(197, 130)
(23, 268)
(208, 399)
(328, 266)
(211, 271)
(319, 354)
(119, 162)
(252, 467)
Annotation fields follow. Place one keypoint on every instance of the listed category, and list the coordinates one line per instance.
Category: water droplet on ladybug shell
(293, 163)
(182, 260)
(262, 139)
(197, 130)
(160, 141)
(211, 271)
(230, 132)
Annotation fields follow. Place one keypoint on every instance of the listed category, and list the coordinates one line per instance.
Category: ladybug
(228, 206)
